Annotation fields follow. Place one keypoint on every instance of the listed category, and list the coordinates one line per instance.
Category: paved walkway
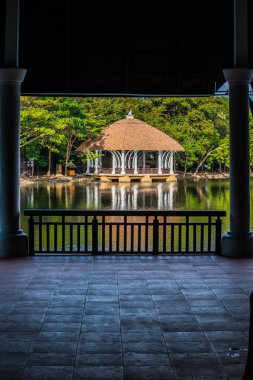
(126, 318)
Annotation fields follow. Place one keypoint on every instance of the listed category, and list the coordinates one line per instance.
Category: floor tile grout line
(164, 341)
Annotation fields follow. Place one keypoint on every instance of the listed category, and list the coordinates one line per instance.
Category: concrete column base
(13, 245)
(171, 178)
(125, 179)
(237, 246)
(146, 178)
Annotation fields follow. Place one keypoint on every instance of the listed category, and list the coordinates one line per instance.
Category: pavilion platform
(130, 177)
(145, 317)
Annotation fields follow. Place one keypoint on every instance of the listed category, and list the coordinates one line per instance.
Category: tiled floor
(126, 318)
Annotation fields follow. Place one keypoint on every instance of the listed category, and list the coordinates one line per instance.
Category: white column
(135, 162)
(113, 163)
(96, 164)
(143, 161)
(159, 162)
(171, 163)
(123, 170)
(88, 166)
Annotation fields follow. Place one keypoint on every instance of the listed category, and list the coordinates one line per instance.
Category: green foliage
(60, 125)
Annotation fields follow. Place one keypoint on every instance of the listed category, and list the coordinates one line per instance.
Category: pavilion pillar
(123, 161)
(13, 241)
(159, 162)
(136, 162)
(144, 160)
(96, 163)
(113, 163)
(172, 163)
(88, 166)
(239, 240)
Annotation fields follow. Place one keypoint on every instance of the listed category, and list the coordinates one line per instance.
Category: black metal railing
(131, 232)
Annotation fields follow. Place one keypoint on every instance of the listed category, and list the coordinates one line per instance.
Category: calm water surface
(204, 195)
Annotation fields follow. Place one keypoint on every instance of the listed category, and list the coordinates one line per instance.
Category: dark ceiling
(102, 47)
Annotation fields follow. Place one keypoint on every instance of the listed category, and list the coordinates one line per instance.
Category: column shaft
(123, 170)
(113, 163)
(172, 163)
(88, 166)
(239, 158)
(238, 241)
(135, 162)
(144, 160)
(159, 162)
(96, 163)
(13, 242)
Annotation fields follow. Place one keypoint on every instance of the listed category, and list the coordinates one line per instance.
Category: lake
(184, 195)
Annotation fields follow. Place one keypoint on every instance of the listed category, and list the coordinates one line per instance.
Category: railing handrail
(71, 212)
(85, 235)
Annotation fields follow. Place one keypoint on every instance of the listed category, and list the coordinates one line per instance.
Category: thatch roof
(131, 134)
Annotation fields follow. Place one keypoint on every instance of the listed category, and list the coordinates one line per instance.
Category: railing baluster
(194, 238)
(48, 237)
(103, 234)
(155, 236)
(218, 236)
(202, 238)
(179, 237)
(40, 233)
(187, 234)
(71, 238)
(110, 238)
(172, 237)
(139, 238)
(95, 235)
(31, 236)
(63, 234)
(125, 233)
(209, 234)
(132, 238)
(164, 234)
(55, 238)
(86, 233)
(146, 235)
(117, 237)
(78, 238)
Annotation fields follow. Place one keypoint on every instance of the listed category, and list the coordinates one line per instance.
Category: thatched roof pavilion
(132, 134)
(131, 144)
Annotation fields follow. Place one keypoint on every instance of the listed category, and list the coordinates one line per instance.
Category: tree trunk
(70, 143)
(49, 162)
(203, 160)
(185, 167)
(67, 157)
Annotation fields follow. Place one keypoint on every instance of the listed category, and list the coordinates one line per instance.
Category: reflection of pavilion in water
(130, 197)
(160, 196)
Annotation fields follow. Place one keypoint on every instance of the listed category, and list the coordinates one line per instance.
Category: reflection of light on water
(130, 196)
(134, 197)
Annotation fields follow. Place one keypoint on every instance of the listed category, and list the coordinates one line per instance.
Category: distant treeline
(52, 128)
